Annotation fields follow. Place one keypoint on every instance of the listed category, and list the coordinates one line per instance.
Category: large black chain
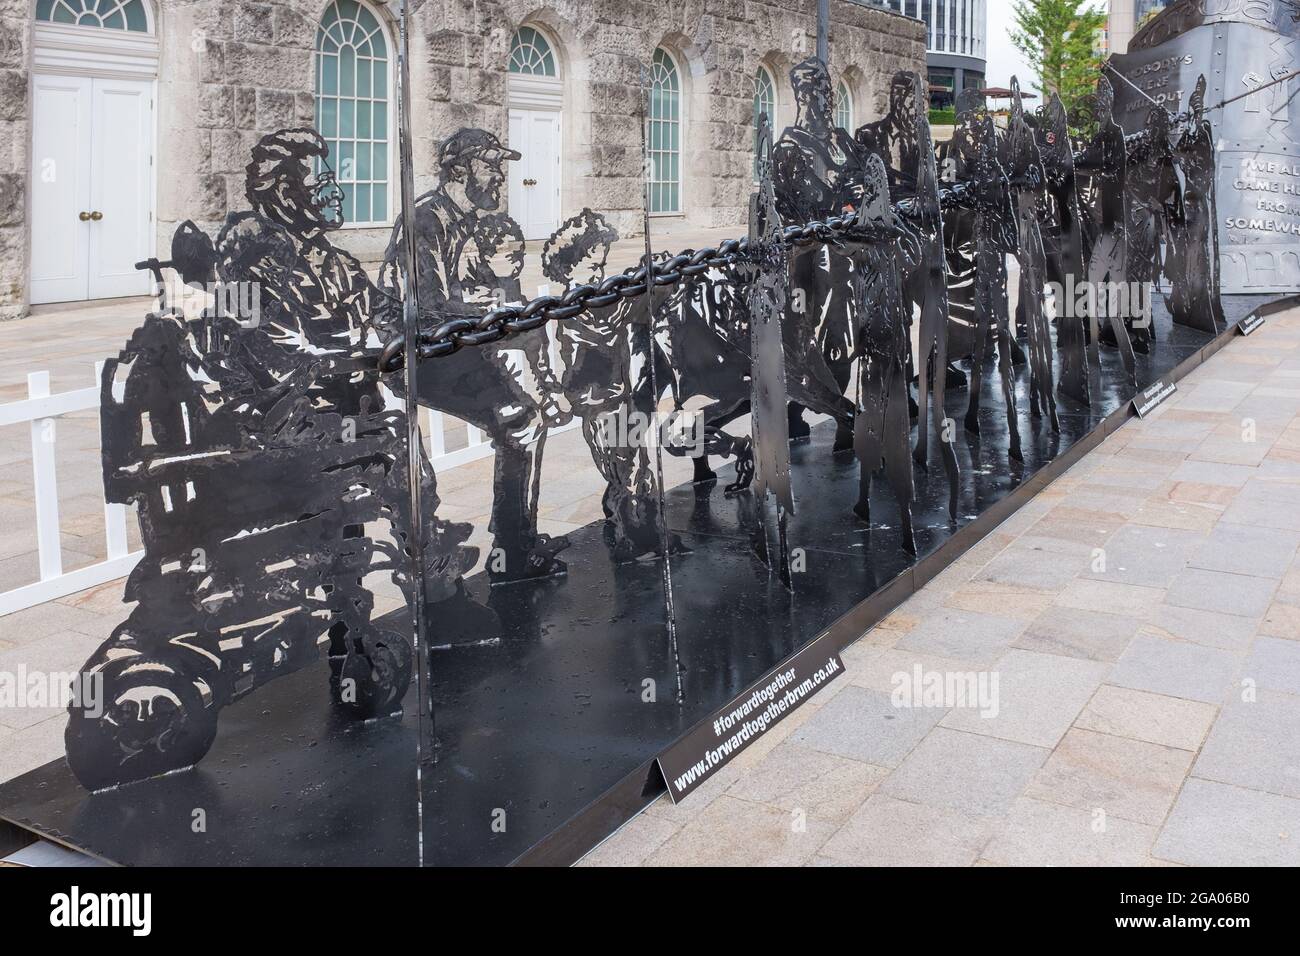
(459, 330)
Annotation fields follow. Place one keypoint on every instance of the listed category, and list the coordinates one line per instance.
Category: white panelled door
(92, 187)
(60, 187)
(121, 186)
(535, 178)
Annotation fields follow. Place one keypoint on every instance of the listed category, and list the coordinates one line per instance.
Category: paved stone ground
(1149, 708)
(1142, 616)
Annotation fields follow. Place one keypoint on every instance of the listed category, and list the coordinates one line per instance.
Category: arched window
(110, 14)
(353, 80)
(531, 54)
(843, 107)
(764, 102)
(664, 133)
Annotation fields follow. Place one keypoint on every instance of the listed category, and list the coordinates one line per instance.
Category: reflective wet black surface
(540, 736)
(544, 740)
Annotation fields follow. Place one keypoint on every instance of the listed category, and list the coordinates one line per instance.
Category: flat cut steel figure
(1063, 242)
(326, 298)
(767, 284)
(960, 240)
(1154, 200)
(816, 170)
(894, 137)
(604, 386)
(1028, 181)
(1193, 264)
(256, 447)
(469, 254)
(882, 429)
(975, 144)
(926, 286)
(702, 336)
(594, 352)
(1104, 160)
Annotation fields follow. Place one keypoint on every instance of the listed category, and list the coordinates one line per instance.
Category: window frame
(550, 52)
(760, 73)
(390, 104)
(842, 87)
(145, 5)
(679, 121)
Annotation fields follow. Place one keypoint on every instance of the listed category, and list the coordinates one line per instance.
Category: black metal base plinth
(546, 741)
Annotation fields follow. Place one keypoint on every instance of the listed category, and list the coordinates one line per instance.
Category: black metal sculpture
(1104, 161)
(704, 344)
(975, 142)
(895, 136)
(885, 250)
(1193, 252)
(1154, 200)
(914, 182)
(816, 171)
(1064, 247)
(462, 240)
(768, 276)
(600, 384)
(1028, 180)
(927, 289)
(260, 449)
(256, 448)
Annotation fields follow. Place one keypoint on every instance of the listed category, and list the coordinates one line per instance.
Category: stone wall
(230, 73)
(718, 44)
(233, 70)
(15, 151)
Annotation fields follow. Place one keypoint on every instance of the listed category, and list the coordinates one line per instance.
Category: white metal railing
(41, 410)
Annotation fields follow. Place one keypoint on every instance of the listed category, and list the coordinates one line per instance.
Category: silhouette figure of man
(467, 260)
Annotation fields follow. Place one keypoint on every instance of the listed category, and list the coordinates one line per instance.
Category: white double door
(535, 177)
(92, 187)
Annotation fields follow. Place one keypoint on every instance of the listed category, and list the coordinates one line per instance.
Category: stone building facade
(226, 72)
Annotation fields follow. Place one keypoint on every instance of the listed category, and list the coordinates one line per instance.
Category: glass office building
(955, 44)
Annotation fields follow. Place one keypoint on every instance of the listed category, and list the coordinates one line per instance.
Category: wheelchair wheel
(151, 720)
(372, 678)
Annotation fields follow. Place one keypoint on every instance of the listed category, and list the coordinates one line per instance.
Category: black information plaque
(1250, 323)
(1152, 396)
(723, 736)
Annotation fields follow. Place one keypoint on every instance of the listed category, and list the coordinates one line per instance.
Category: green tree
(1059, 38)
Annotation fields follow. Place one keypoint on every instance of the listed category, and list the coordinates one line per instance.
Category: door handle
(530, 182)
(96, 215)
(84, 216)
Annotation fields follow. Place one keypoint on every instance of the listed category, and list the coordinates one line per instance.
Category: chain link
(495, 325)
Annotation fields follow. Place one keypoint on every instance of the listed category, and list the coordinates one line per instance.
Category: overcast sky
(1004, 59)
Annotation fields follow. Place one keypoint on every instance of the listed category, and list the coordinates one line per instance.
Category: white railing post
(115, 540)
(46, 484)
(39, 411)
(115, 529)
(437, 439)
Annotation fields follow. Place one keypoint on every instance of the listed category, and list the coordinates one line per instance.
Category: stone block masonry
(230, 72)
